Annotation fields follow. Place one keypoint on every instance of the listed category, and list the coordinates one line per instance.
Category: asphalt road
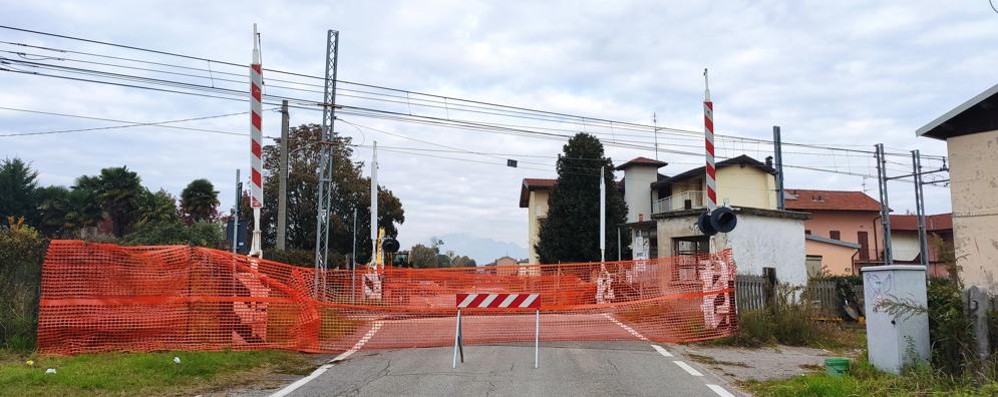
(566, 369)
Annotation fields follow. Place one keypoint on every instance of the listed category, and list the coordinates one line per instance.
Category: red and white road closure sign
(499, 301)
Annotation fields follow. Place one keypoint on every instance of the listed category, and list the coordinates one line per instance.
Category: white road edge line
(720, 391)
(686, 367)
(301, 382)
(626, 328)
(662, 350)
(325, 367)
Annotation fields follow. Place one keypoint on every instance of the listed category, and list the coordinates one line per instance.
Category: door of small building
(864, 245)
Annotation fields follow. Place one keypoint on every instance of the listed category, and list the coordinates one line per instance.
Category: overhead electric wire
(113, 127)
(444, 122)
(565, 117)
(400, 116)
(161, 124)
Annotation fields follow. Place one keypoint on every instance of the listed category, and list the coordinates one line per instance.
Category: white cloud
(846, 73)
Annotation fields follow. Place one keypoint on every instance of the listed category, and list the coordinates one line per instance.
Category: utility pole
(282, 195)
(602, 215)
(353, 259)
(778, 153)
(235, 213)
(374, 204)
(618, 245)
(923, 243)
(885, 210)
(324, 202)
(654, 120)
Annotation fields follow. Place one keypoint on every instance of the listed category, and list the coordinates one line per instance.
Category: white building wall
(537, 209)
(974, 191)
(757, 242)
(637, 191)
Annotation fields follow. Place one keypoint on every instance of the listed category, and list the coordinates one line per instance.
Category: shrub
(22, 251)
(202, 234)
(793, 317)
(755, 328)
(950, 329)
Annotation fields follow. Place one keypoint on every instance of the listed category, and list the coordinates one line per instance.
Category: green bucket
(837, 366)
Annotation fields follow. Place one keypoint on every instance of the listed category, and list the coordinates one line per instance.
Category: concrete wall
(637, 191)
(849, 224)
(835, 259)
(974, 189)
(756, 242)
(537, 209)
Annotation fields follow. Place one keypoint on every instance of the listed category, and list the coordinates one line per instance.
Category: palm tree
(159, 207)
(120, 193)
(83, 207)
(199, 201)
(53, 205)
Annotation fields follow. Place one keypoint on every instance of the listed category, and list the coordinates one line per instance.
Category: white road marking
(662, 350)
(625, 327)
(300, 382)
(720, 391)
(325, 367)
(686, 367)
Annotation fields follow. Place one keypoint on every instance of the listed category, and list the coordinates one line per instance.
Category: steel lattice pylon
(324, 201)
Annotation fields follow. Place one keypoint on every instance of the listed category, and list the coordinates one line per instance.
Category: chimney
(769, 161)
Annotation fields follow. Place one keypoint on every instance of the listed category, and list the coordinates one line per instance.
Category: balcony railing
(681, 201)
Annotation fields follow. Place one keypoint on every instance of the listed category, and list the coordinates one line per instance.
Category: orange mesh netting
(104, 297)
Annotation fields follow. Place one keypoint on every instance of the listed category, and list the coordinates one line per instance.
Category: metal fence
(680, 201)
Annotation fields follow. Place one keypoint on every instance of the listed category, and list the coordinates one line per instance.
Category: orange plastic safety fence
(104, 297)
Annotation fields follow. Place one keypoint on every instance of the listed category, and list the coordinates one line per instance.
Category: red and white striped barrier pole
(498, 301)
(256, 143)
(708, 122)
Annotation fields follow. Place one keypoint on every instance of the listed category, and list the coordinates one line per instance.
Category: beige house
(534, 196)
(766, 238)
(661, 210)
(971, 134)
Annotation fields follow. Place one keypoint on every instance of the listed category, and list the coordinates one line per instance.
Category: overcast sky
(845, 73)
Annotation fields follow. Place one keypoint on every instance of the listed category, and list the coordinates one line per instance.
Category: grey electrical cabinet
(894, 342)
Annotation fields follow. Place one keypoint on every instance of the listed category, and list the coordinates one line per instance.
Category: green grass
(114, 374)
(864, 380)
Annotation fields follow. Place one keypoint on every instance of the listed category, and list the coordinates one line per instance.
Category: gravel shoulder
(739, 364)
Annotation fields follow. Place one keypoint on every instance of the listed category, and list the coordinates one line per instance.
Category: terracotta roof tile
(933, 223)
(829, 200)
(642, 161)
(539, 183)
(531, 184)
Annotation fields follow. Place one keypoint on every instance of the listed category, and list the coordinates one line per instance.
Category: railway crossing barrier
(498, 302)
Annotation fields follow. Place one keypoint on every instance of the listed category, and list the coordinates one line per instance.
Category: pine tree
(570, 233)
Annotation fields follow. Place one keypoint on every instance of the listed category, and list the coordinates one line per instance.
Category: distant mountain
(482, 250)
